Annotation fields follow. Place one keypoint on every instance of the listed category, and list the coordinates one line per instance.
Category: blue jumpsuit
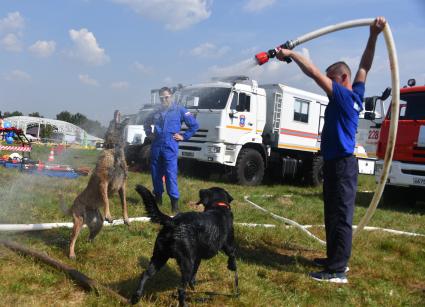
(165, 150)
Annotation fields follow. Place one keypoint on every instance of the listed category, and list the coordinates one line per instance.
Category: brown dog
(108, 177)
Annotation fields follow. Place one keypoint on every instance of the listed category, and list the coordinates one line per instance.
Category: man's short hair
(340, 67)
(165, 89)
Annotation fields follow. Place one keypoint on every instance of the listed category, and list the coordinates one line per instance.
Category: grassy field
(273, 263)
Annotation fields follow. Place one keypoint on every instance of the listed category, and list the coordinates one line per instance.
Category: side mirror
(370, 103)
(411, 82)
(369, 115)
(386, 93)
(232, 114)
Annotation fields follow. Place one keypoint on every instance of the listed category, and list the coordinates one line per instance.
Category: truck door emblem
(242, 120)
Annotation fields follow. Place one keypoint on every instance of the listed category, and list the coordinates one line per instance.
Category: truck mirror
(232, 114)
(411, 82)
(368, 115)
(370, 103)
(386, 93)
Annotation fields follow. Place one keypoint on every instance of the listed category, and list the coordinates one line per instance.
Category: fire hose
(263, 57)
(82, 279)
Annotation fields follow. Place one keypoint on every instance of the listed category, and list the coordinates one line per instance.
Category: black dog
(189, 237)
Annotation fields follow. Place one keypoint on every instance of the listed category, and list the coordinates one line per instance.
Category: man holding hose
(338, 141)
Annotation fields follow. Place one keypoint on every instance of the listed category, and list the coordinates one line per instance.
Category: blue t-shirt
(338, 137)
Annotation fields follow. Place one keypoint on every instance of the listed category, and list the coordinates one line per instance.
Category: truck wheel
(316, 172)
(249, 169)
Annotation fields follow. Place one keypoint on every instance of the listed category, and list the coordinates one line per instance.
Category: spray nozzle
(263, 57)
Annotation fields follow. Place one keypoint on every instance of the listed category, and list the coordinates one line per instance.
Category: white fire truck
(249, 128)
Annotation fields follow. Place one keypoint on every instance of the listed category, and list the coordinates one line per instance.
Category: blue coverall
(165, 149)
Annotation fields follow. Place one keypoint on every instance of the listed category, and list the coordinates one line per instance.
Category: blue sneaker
(321, 263)
(339, 278)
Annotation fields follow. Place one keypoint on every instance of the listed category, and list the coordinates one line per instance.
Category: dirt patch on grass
(285, 200)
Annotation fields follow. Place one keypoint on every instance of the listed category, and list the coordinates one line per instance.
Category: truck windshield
(415, 106)
(142, 115)
(204, 97)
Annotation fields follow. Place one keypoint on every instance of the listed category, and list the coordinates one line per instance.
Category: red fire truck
(407, 173)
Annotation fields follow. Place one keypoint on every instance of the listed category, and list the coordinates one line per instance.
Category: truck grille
(413, 172)
(200, 137)
(194, 141)
(418, 148)
(192, 148)
(201, 133)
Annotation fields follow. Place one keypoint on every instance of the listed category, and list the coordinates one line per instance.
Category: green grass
(273, 263)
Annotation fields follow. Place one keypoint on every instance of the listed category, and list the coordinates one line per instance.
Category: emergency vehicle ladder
(277, 112)
(321, 118)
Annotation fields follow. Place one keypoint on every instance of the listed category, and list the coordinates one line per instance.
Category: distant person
(338, 141)
(167, 120)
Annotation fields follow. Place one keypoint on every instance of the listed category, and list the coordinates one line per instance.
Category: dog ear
(203, 197)
(117, 117)
(229, 197)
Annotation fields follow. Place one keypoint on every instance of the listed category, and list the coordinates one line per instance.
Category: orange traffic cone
(51, 155)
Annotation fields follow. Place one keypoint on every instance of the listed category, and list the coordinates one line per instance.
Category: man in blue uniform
(338, 141)
(167, 120)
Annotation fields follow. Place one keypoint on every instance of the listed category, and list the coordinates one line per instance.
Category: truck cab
(231, 114)
(408, 165)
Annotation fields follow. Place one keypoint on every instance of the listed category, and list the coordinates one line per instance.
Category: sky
(97, 56)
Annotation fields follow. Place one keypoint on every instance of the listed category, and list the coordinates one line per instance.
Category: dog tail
(152, 208)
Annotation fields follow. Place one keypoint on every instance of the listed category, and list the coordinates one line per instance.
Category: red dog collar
(222, 204)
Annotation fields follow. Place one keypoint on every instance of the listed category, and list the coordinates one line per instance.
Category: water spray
(263, 57)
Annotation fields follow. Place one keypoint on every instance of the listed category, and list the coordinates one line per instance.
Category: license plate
(366, 167)
(419, 181)
(188, 154)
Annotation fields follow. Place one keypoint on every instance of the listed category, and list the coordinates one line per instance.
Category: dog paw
(134, 299)
(127, 222)
(109, 219)
(231, 265)
(192, 284)
(72, 257)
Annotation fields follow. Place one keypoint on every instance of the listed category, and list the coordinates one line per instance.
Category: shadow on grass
(164, 280)
(278, 258)
(58, 237)
(133, 200)
(167, 279)
(220, 176)
(408, 203)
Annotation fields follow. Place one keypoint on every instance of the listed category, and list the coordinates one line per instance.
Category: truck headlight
(230, 147)
(214, 149)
